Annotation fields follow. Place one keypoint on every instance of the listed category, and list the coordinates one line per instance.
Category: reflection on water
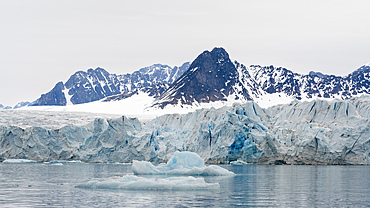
(47, 185)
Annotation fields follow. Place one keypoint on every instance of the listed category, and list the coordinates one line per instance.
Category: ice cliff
(316, 132)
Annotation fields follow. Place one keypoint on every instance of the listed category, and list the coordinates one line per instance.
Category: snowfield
(310, 132)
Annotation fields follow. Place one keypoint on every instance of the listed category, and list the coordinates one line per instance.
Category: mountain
(21, 104)
(5, 107)
(96, 84)
(213, 77)
(280, 80)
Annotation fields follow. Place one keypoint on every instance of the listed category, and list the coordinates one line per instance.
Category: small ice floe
(57, 164)
(238, 162)
(19, 161)
(131, 182)
(181, 163)
(65, 161)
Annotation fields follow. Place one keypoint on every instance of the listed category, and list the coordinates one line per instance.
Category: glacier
(314, 132)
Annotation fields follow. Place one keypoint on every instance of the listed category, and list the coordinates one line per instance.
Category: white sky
(45, 41)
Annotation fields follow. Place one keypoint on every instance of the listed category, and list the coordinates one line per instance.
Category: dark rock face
(211, 77)
(54, 97)
(359, 81)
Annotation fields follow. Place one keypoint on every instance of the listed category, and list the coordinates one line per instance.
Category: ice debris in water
(19, 161)
(131, 182)
(238, 162)
(65, 161)
(181, 163)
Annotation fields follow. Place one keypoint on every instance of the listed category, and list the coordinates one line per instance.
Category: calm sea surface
(47, 185)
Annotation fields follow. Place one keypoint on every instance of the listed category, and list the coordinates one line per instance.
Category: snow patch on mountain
(67, 96)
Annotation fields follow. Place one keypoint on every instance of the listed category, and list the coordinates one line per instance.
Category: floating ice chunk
(181, 163)
(238, 162)
(19, 161)
(64, 161)
(57, 164)
(131, 182)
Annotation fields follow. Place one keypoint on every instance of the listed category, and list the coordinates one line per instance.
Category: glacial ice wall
(316, 132)
(324, 132)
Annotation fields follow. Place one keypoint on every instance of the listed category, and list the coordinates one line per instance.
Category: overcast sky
(44, 42)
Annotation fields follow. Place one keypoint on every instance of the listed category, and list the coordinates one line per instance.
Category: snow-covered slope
(315, 132)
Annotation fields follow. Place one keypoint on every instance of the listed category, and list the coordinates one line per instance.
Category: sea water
(54, 185)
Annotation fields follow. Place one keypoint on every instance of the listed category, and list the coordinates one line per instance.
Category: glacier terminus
(315, 132)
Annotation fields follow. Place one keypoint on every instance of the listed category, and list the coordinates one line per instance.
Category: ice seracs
(181, 163)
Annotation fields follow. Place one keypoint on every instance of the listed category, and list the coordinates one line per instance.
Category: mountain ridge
(211, 77)
(96, 84)
(255, 82)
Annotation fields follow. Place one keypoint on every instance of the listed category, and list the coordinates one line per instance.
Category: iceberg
(19, 161)
(181, 163)
(131, 182)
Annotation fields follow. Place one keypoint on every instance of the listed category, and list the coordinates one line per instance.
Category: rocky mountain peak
(212, 76)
